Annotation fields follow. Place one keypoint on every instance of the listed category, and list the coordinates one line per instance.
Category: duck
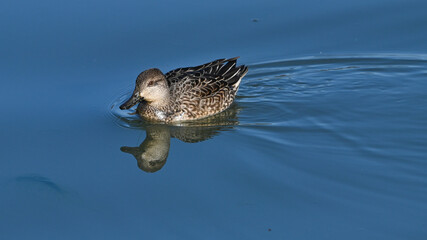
(186, 94)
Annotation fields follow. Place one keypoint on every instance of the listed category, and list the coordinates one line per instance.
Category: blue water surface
(326, 140)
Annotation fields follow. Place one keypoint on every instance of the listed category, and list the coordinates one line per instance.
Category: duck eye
(150, 84)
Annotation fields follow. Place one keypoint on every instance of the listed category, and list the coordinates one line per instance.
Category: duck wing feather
(216, 67)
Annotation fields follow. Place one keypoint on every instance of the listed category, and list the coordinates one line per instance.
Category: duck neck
(163, 102)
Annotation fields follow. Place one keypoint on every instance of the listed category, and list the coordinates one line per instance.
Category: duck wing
(211, 68)
(203, 85)
(199, 94)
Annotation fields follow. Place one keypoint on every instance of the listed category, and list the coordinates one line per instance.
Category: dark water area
(326, 139)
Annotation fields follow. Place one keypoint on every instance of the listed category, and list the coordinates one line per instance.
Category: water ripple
(359, 108)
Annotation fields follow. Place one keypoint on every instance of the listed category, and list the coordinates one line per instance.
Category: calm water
(326, 140)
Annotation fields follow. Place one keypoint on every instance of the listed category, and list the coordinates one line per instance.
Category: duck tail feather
(234, 75)
(227, 67)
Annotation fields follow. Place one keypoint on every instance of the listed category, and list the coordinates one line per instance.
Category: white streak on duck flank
(161, 115)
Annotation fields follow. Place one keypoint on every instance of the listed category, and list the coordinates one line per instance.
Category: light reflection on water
(152, 153)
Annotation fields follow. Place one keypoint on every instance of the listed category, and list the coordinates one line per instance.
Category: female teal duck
(186, 93)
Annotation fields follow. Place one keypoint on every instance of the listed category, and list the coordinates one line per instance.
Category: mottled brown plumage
(187, 93)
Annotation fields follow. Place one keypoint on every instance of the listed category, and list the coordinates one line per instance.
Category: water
(326, 139)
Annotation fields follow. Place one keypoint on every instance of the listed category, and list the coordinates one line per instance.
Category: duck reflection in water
(153, 152)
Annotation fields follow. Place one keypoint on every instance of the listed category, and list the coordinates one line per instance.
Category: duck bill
(131, 150)
(134, 99)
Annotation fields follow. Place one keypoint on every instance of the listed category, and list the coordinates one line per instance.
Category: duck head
(151, 86)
